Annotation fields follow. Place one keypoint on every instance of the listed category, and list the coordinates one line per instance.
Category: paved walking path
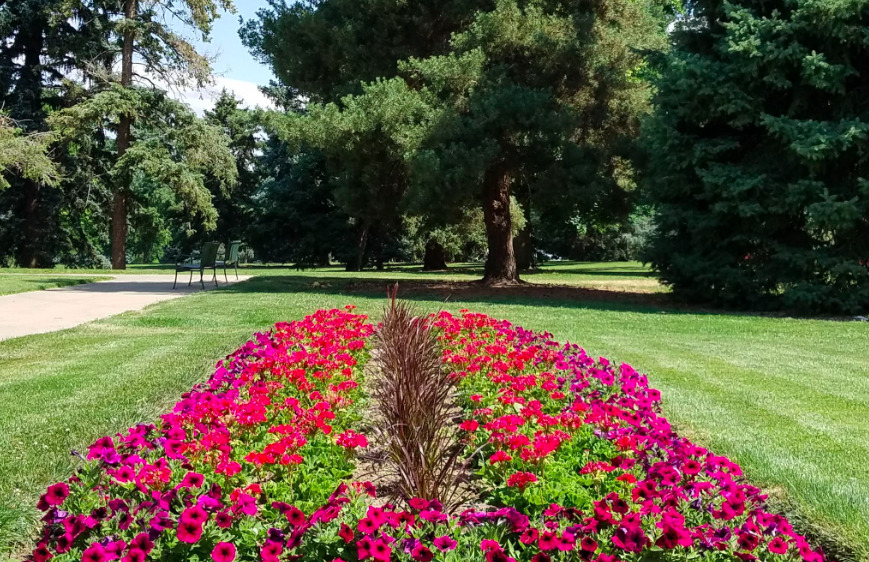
(37, 312)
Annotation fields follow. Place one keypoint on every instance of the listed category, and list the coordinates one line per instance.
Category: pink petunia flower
(445, 543)
(223, 552)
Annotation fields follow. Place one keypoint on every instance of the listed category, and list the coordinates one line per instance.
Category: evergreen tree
(241, 126)
(536, 94)
(757, 155)
(296, 218)
(142, 33)
(339, 48)
(45, 41)
(522, 92)
(25, 155)
(170, 161)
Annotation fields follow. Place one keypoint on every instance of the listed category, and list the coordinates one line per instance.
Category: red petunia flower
(421, 553)
(346, 533)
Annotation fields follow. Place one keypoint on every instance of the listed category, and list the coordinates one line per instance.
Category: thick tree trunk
(125, 125)
(525, 254)
(435, 258)
(501, 262)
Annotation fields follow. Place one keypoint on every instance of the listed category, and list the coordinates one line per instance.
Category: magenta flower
(195, 514)
(631, 539)
(445, 543)
(777, 546)
(433, 516)
(223, 552)
(366, 526)
(419, 503)
(189, 531)
(380, 551)
(192, 480)
(57, 493)
(134, 555)
(271, 550)
(95, 553)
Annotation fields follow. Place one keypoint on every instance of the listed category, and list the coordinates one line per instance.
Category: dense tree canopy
(758, 146)
(532, 93)
(453, 129)
(45, 42)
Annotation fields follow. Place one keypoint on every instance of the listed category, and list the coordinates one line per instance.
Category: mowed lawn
(25, 282)
(786, 398)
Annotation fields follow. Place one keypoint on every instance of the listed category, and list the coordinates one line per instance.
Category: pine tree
(143, 34)
(522, 92)
(46, 41)
(536, 94)
(757, 155)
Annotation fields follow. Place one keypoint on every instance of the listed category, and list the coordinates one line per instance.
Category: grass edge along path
(167, 348)
(12, 284)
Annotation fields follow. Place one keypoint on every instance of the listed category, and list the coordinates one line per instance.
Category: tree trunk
(28, 94)
(435, 258)
(358, 261)
(29, 252)
(501, 262)
(525, 254)
(125, 125)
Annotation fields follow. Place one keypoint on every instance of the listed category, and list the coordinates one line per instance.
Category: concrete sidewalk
(37, 312)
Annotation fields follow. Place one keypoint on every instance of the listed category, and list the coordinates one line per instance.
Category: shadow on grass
(471, 292)
(536, 294)
(53, 282)
(604, 269)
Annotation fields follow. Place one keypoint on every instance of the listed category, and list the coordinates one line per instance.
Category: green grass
(611, 276)
(786, 398)
(25, 282)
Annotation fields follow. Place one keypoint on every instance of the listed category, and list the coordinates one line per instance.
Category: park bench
(207, 260)
(230, 259)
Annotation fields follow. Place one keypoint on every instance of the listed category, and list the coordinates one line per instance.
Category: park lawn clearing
(11, 284)
(627, 277)
(785, 398)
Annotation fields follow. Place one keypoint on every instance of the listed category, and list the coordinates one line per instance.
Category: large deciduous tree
(758, 156)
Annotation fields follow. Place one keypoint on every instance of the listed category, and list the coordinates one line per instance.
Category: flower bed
(570, 453)
(265, 438)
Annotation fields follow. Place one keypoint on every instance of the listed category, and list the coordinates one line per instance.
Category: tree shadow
(536, 294)
(471, 292)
